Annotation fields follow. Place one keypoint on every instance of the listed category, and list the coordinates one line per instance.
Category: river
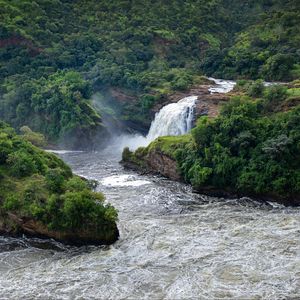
(173, 244)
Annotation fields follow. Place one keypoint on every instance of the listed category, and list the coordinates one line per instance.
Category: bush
(126, 154)
(279, 67)
(256, 89)
(274, 96)
(76, 184)
(55, 180)
(12, 202)
(199, 175)
(21, 164)
(81, 209)
(6, 147)
(35, 138)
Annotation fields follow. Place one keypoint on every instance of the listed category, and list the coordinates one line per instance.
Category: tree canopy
(149, 48)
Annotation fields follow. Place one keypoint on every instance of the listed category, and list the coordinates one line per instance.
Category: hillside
(55, 54)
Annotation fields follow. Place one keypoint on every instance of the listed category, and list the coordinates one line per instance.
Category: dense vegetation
(252, 148)
(267, 49)
(37, 185)
(57, 106)
(54, 53)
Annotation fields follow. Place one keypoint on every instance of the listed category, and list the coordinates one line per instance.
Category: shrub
(21, 164)
(35, 138)
(55, 180)
(6, 147)
(82, 208)
(76, 184)
(199, 175)
(12, 202)
(274, 96)
(256, 89)
(126, 154)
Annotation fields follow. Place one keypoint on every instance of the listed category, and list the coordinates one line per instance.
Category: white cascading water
(222, 86)
(173, 119)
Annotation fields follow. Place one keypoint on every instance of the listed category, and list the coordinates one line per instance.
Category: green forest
(150, 149)
(55, 54)
(252, 148)
(62, 62)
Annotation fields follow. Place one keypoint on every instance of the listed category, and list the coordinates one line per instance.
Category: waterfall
(173, 119)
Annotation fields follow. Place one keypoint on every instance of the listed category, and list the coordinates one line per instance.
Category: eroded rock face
(162, 164)
(207, 104)
(153, 162)
(11, 224)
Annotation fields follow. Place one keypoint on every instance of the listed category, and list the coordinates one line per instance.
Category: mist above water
(172, 119)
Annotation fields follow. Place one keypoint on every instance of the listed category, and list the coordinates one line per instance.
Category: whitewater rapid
(173, 245)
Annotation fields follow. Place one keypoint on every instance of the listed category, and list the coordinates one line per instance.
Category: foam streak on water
(174, 245)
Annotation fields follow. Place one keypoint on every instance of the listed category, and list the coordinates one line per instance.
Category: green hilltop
(54, 54)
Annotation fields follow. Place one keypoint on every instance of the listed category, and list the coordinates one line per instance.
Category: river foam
(123, 180)
(174, 244)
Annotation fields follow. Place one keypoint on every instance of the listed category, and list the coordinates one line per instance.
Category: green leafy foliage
(145, 47)
(57, 106)
(251, 148)
(34, 138)
(268, 49)
(39, 185)
(247, 148)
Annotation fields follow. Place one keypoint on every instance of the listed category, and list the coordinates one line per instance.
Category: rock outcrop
(160, 163)
(14, 225)
(207, 103)
(155, 162)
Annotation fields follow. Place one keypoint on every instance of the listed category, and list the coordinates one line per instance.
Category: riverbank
(249, 149)
(157, 159)
(41, 197)
(201, 247)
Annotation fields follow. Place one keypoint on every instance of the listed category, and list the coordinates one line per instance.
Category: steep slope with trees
(60, 51)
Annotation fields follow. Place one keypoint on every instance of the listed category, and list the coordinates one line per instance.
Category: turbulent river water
(174, 244)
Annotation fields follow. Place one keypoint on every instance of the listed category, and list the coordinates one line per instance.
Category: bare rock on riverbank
(15, 225)
(157, 158)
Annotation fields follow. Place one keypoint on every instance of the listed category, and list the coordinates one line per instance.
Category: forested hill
(54, 54)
